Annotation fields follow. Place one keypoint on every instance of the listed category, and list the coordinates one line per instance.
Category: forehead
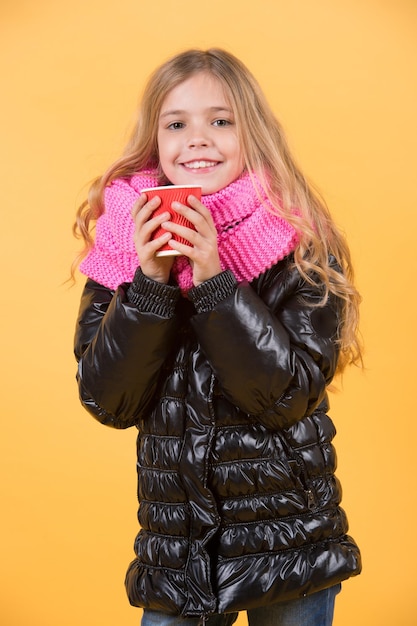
(202, 89)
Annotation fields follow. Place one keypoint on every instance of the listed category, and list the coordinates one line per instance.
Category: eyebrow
(179, 112)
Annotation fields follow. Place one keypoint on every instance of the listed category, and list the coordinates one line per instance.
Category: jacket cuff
(212, 291)
(152, 297)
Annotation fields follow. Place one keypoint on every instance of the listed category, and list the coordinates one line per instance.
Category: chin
(211, 187)
(208, 190)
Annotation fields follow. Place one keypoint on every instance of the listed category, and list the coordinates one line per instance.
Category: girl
(221, 358)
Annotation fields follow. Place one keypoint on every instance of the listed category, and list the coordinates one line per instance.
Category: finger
(154, 245)
(199, 207)
(189, 234)
(143, 209)
(145, 223)
(138, 205)
(195, 212)
(182, 248)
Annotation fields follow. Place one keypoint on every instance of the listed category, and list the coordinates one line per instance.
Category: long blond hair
(266, 152)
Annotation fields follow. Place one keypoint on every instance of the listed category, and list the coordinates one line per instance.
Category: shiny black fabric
(239, 504)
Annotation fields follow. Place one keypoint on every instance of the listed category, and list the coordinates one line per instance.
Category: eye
(222, 122)
(175, 126)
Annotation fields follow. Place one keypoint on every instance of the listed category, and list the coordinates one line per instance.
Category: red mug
(168, 195)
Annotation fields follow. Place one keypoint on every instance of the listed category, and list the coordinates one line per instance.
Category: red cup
(168, 195)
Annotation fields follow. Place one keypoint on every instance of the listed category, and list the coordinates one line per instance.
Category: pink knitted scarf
(251, 238)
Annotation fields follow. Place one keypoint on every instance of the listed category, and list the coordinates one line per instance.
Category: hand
(156, 268)
(202, 252)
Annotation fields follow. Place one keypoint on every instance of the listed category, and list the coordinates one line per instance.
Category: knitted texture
(251, 238)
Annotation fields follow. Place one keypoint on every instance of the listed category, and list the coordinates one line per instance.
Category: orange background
(341, 75)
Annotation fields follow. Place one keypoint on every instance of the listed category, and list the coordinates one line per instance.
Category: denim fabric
(314, 610)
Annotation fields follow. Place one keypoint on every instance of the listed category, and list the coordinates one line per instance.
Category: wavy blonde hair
(266, 152)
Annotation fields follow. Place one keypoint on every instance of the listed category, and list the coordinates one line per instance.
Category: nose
(198, 137)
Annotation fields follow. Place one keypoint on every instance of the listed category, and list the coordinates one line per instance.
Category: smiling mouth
(196, 165)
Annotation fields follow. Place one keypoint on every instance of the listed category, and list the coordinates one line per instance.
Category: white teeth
(195, 165)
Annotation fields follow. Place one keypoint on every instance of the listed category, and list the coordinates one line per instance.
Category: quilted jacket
(239, 503)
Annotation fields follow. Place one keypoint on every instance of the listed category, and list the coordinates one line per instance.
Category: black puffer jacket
(239, 505)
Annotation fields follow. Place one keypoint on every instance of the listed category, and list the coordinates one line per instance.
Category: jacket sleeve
(272, 352)
(122, 339)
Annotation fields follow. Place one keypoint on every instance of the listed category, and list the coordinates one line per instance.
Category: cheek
(160, 146)
(167, 152)
(236, 151)
(239, 162)
(163, 144)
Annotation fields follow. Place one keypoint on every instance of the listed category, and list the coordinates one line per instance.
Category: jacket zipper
(301, 474)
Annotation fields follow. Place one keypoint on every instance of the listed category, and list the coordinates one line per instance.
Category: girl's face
(197, 138)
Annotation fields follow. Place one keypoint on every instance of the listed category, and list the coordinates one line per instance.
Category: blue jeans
(313, 610)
